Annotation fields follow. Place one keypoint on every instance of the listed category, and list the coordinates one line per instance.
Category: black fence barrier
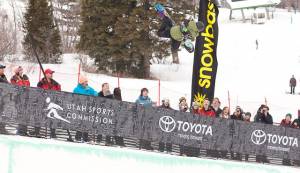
(62, 110)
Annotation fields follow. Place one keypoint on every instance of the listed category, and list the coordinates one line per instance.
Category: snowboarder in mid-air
(184, 33)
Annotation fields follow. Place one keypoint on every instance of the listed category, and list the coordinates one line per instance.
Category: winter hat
(181, 99)
(18, 69)
(165, 100)
(248, 114)
(144, 89)
(289, 115)
(82, 79)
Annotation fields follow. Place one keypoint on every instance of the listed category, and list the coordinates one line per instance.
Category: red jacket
(20, 80)
(53, 85)
(208, 113)
(285, 124)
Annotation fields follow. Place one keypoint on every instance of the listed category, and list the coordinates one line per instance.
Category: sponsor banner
(205, 58)
(262, 139)
(186, 129)
(42, 108)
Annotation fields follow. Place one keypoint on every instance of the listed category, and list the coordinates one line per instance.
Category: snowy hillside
(250, 75)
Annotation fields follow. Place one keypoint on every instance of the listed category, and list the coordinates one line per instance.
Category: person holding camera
(263, 116)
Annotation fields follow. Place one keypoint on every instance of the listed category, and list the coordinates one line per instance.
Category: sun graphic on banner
(199, 98)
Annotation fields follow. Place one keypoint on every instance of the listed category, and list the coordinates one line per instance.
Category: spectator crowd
(209, 108)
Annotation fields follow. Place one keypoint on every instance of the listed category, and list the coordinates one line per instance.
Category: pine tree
(41, 33)
(120, 37)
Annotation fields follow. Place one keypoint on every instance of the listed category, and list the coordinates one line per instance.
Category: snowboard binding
(189, 46)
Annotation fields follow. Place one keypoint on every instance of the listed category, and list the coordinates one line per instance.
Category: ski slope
(251, 76)
(21, 154)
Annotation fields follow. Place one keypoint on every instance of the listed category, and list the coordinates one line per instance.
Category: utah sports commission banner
(205, 58)
(44, 108)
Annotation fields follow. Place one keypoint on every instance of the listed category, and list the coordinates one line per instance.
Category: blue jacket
(144, 101)
(85, 91)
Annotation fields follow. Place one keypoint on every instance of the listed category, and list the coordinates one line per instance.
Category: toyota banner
(51, 109)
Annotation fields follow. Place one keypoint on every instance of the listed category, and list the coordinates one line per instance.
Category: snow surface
(50, 156)
(251, 76)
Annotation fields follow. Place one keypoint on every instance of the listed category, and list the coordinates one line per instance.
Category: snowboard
(187, 43)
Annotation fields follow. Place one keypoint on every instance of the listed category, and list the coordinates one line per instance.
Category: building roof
(241, 4)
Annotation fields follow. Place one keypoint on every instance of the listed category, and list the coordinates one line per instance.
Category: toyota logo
(258, 137)
(167, 124)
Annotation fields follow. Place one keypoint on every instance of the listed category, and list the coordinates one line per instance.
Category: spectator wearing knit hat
(20, 79)
(146, 102)
(144, 99)
(83, 88)
(183, 106)
(247, 117)
(287, 122)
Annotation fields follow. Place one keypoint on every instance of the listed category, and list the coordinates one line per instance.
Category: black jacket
(234, 117)
(218, 112)
(165, 107)
(100, 94)
(298, 123)
(3, 79)
(261, 118)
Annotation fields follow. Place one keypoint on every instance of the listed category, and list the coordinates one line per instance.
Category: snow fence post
(228, 100)
(79, 69)
(158, 102)
(40, 73)
(118, 80)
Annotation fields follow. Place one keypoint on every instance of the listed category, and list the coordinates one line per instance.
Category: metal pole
(36, 54)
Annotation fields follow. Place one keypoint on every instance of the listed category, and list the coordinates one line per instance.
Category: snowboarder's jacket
(89, 91)
(3, 79)
(144, 101)
(209, 112)
(177, 35)
(20, 80)
(261, 118)
(52, 85)
(285, 124)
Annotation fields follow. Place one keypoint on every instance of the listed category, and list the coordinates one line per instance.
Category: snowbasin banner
(51, 109)
(205, 58)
